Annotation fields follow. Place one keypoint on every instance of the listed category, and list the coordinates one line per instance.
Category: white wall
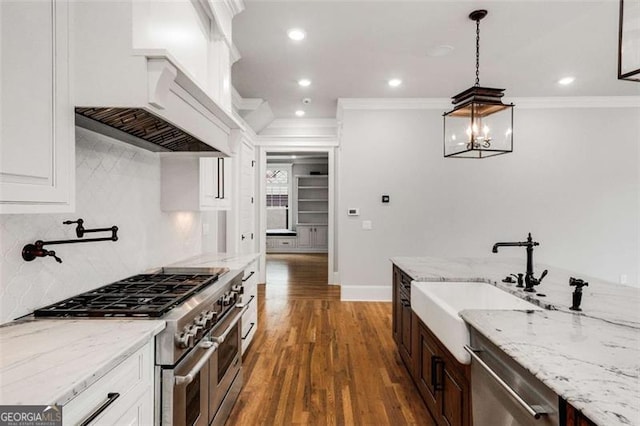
(117, 184)
(572, 180)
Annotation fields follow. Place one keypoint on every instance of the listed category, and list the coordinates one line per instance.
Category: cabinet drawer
(128, 379)
(286, 243)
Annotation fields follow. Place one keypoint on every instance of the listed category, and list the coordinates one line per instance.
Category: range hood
(139, 94)
(139, 127)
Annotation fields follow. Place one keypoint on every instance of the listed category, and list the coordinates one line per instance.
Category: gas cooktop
(144, 295)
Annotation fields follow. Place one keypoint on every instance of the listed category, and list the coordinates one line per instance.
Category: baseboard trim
(295, 250)
(365, 293)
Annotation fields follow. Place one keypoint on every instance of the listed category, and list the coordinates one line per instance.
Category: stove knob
(185, 340)
(226, 299)
(238, 289)
(212, 315)
(203, 321)
(196, 331)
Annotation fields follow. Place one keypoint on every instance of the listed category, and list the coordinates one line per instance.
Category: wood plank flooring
(316, 360)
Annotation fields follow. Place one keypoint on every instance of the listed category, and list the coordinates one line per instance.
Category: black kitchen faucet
(529, 280)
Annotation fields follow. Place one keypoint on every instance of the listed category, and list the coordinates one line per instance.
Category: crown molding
(520, 102)
(244, 104)
(296, 141)
(234, 53)
(576, 102)
(235, 6)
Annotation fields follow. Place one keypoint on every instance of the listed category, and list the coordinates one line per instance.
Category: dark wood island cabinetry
(442, 381)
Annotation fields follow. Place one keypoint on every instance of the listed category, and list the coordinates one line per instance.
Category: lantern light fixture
(480, 125)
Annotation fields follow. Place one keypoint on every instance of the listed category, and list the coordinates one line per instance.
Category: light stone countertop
(591, 358)
(610, 302)
(222, 260)
(592, 364)
(51, 361)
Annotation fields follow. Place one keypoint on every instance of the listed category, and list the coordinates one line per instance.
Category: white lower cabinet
(312, 237)
(124, 396)
(250, 298)
(281, 244)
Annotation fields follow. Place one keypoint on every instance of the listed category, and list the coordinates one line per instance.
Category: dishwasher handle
(534, 410)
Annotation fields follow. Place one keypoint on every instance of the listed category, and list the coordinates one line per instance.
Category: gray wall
(572, 181)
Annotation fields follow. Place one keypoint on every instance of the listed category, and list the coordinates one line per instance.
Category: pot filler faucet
(529, 280)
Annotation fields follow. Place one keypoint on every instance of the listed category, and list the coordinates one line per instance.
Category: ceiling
(353, 47)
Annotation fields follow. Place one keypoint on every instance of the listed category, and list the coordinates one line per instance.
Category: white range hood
(136, 79)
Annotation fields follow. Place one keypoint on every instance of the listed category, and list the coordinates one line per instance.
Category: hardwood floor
(316, 360)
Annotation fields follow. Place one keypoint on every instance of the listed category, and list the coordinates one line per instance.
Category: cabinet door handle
(111, 398)
(222, 184)
(218, 182)
(249, 330)
(248, 276)
(534, 410)
(437, 380)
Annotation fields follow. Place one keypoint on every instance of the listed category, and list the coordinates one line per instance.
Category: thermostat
(353, 212)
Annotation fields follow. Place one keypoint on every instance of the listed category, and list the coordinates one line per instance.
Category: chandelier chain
(478, 52)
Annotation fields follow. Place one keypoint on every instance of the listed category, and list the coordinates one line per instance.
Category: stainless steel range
(198, 354)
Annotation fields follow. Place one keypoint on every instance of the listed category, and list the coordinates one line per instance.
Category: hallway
(317, 360)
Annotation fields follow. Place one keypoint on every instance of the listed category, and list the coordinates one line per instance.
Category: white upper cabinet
(37, 140)
(191, 183)
(215, 183)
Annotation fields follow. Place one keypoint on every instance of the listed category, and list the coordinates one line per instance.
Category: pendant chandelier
(479, 125)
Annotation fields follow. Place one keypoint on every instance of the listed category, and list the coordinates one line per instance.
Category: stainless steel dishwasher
(503, 393)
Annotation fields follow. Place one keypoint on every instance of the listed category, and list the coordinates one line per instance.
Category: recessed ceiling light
(566, 80)
(299, 113)
(394, 82)
(293, 156)
(441, 50)
(296, 34)
(304, 82)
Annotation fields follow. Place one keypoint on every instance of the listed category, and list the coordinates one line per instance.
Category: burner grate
(144, 295)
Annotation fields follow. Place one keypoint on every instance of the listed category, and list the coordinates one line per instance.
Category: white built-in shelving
(312, 199)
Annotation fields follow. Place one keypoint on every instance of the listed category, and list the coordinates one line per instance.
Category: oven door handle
(211, 348)
(220, 339)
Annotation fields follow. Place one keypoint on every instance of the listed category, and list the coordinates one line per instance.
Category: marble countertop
(610, 302)
(222, 260)
(51, 361)
(590, 358)
(592, 364)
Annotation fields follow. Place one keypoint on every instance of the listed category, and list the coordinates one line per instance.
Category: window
(278, 191)
(278, 187)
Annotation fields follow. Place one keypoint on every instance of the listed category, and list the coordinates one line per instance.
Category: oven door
(224, 370)
(185, 388)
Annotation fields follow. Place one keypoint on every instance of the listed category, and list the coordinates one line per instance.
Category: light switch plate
(353, 211)
(367, 225)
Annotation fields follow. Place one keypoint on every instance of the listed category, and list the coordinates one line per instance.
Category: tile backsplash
(116, 184)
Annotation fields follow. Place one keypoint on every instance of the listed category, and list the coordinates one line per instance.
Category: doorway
(296, 208)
